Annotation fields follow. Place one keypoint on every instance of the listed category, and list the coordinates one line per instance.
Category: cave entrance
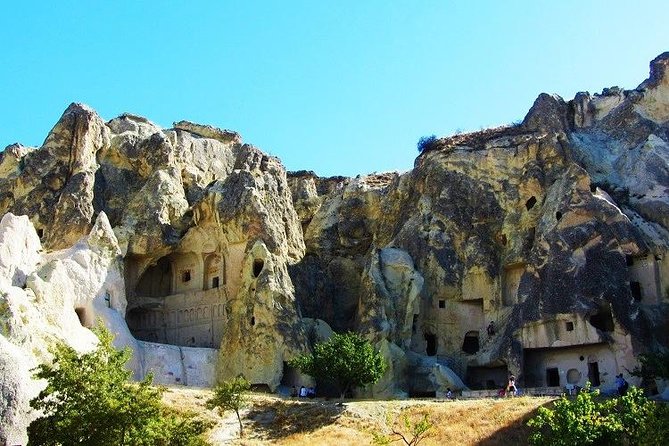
(593, 373)
(471, 345)
(490, 377)
(156, 280)
(553, 377)
(431, 347)
(258, 265)
(603, 319)
(84, 318)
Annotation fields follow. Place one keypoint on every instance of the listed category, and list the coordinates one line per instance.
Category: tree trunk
(241, 428)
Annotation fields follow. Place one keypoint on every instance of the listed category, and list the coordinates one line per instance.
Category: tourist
(511, 387)
(293, 393)
(303, 392)
(311, 393)
(449, 394)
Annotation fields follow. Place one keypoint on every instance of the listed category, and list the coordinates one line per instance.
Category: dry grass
(273, 420)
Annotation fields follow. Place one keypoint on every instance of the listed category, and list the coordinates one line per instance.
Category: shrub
(653, 365)
(414, 432)
(231, 395)
(348, 360)
(586, 420)
(426, 143)
(90, 400)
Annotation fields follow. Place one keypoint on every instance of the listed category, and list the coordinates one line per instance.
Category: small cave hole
(503, 239)
(471, 343)
(603, 320)
(185, 276)
(593, 188)
(442, 303)
(40, 233)
(253, 321)
(431, 348)
(215, 282)
(83, 317)
(629, 260)
(529, 204)
(414, 323)
(558, 215)
(258, 265)
(570, 326)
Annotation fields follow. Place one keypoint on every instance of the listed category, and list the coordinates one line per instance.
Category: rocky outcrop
(538, 249)
(557, 220)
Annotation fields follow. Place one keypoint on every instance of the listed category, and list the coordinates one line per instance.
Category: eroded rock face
(537, 249)
(557, 223)
(178, 239)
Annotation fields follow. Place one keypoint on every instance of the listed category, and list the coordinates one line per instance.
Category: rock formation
(209, 260)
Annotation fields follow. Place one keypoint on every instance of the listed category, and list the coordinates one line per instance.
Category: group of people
(304, 392)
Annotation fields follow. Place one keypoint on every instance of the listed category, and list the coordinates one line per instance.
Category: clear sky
(338, 87)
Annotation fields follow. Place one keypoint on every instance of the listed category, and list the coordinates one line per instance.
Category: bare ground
(283, 421)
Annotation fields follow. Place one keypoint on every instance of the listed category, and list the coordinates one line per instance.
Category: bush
(586, 420)
(426, 143)
(653, 365)
(89, 399)
(347, 360)
(231, 395)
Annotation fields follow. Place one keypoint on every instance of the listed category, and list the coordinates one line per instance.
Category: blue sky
(340, 87)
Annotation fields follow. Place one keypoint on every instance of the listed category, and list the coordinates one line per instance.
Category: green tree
(231, 395)
(90, 400)
(347, 360)
(413, 433)
(588, 420)
(653, 365)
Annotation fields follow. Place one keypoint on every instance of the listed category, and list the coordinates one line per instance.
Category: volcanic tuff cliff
(209, 260)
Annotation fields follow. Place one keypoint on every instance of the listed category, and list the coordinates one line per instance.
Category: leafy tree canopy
(348, 360)
(90, 400)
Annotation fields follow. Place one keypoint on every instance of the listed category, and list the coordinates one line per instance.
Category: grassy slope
(272, 420)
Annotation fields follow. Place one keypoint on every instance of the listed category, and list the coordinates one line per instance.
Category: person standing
(511, 387)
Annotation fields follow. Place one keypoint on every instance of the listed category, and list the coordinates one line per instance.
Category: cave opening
(84, 318)
(258, 265)
(603, 319)
(635, 288)
(471, 345)
(529, 204)
(431, 347)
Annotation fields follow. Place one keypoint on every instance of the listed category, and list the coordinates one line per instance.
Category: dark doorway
(431, 340)
(593, 373)
(635, 287)
(471, 343)
(215, 282)
(552, 377)
(603, 320)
